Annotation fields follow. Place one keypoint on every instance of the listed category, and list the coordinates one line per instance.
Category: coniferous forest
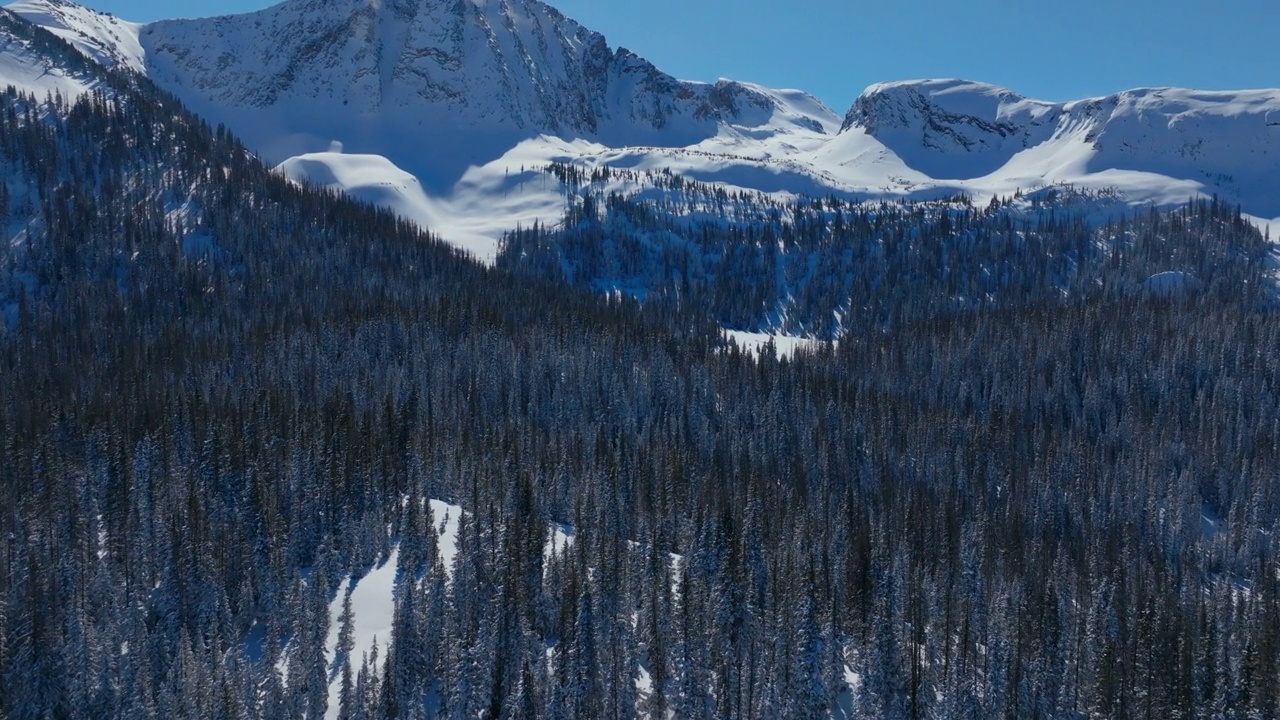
(1024, 482)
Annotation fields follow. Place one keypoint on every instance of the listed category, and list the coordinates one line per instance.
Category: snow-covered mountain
(27, 62)
(442, 109)
(271, 453)
(412, 77)
(1161, 144)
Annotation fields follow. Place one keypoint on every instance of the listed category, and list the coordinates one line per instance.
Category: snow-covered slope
(373, 603)
(473, 212)
(102, 37)
(1161, 145)
(29, 64)
(408, 78)
(465, 97)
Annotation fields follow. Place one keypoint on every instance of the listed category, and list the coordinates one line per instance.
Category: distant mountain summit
(952, 129)
(961, 130)
(465, 97)
(506, 67)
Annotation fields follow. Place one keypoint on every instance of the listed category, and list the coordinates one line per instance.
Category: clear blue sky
(834, 48)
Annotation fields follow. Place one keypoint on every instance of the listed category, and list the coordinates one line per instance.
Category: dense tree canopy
(221, 394)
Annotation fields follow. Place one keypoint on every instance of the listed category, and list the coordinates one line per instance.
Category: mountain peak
(405, 77)
(898, 104)
(452, 90)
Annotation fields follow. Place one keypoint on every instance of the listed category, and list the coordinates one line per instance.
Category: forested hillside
(823, 267)
(222, 393)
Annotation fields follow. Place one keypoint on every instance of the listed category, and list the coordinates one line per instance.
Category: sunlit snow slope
(443, 109)
(29, 67)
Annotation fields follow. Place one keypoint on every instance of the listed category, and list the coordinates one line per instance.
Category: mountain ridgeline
(459, 93)
(1027, 482)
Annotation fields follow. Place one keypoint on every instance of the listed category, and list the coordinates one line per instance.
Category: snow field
(373, 602)
(457, 155)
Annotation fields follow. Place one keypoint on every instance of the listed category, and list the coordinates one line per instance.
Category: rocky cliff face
(511, 66)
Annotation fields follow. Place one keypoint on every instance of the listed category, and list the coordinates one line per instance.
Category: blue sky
(835, 48)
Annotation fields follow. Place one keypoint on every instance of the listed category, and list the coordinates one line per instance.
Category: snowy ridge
(28, 66)
(1162, 144)
(465, 96)
(102, 37)
(408, 76)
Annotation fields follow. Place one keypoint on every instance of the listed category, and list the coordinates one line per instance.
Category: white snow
(643, 684)
(373, 609)
(1195, 144)
(446, 517)
(25, 70)
(473, 214)
(562, 536)
(784, 345)
(373, 602)
(102, 37)
(372, 595)
(845, 698)
(446, 109)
